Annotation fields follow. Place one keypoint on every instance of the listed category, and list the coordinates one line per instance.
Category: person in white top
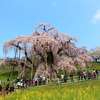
(62, 77)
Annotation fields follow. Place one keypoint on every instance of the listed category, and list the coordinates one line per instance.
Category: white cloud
(54, 4)
(96, 17)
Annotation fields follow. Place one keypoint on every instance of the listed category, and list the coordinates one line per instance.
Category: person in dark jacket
(0, 88)
(65, 78)
(7, 88)
(11, 89)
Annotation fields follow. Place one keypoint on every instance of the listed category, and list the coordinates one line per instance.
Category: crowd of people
(81, 75)
(8, 88)
(24, 82)
(88, 74)
(42, 80)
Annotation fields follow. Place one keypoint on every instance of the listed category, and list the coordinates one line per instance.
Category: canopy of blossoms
(53, 50)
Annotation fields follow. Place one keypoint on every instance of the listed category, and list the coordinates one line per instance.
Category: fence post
(4, 89)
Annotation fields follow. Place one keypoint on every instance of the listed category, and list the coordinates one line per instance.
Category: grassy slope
(59, 89)
(6, 73)
(4, 76)
(95, 65)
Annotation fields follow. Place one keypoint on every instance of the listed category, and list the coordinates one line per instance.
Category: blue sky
(78, 18)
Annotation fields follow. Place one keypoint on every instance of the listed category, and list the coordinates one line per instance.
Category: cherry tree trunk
(12, 70)
(32, 62)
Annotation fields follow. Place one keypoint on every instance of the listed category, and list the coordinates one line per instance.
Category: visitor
(44, 80)
(23, 82)
(27, 82)
(65, 78)
(94, 73)
(0, 88)
(11, 89)
(84, 75)
(62, 77)
(71, 77)
(81, 75)
(31, 80)
(48, 79)
(36, 80)
(89, 74)
(18, 82)
(97, 73)
(78, 74)
(7, 88)
(39, 80)
(8, 81)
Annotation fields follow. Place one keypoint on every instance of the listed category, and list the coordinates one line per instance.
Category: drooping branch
(26, 55)
(54, 51)
(20, 48)
(17, 46)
